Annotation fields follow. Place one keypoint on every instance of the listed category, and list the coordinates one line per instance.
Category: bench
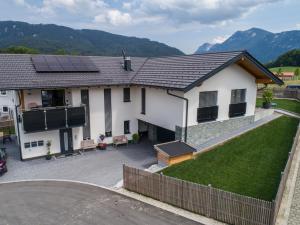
(119, 140)
(88, 144)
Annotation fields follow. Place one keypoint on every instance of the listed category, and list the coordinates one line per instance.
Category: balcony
(53, 118)
(206, 114)
(238, 109)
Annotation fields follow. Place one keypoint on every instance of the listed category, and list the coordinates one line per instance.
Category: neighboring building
(66, 99)
(6, 103)
(285, 75)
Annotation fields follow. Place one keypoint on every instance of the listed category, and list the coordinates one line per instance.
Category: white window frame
(3, 94)
(6, 112)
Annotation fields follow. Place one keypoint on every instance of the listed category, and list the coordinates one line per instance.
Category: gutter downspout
(18, 128)
(186, 112)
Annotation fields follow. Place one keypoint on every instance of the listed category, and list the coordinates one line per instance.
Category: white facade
(6, 102)
(228, 79)
(162, 110)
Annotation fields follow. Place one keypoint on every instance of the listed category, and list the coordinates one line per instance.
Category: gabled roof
(173, 72)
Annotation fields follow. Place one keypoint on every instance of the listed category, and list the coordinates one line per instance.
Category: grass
(289, 105)
(250, 164)
(8, 130)
(284, 69)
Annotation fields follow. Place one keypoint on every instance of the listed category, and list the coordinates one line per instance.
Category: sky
(184, 24)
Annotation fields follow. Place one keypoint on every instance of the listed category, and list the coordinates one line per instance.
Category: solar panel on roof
(63, 64)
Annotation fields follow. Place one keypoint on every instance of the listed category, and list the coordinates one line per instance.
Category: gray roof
(173, 72)
(175, 148)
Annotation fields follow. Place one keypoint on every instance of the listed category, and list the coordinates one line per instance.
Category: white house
(6, 102)
(66, 99)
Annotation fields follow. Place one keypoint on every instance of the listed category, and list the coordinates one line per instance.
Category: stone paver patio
(102, 168)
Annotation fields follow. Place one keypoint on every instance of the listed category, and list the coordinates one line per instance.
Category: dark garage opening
(155, 134)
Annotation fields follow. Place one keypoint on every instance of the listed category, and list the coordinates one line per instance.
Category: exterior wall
(199, 134)
(7, 100)
(179, 159)
(161, 109)
(121, 111)
(232, 77)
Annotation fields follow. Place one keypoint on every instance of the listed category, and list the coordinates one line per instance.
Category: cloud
(200, 11)
(114, 17)
(220, 39)
(174, 13)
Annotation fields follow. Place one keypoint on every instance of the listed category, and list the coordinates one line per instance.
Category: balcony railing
(207, 114)
(238, 109)
(43, 119)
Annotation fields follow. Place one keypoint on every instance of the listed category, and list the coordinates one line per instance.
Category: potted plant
(135, 138)
(267, 98)
(102, 145)
(48, 155)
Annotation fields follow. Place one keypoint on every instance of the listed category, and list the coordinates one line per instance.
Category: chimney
(127, 63)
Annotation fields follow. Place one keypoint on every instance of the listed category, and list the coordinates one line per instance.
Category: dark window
(143, 101)
(27, 145)
(3, 92)
(238, 104)
(208, 109)
(5, 109)
(108, 134)
(238, 96)
(108, 113)
(52, 98)
(127, 127)
(208, 99)
(40, 143)
(33, 144)
(126, 94)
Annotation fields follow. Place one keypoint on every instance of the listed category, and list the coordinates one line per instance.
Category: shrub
(135, 137)
(268, 96)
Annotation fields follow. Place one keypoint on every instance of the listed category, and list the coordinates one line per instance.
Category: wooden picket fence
(283, 93)
(205, 200)
(208, 201)
(285, 173)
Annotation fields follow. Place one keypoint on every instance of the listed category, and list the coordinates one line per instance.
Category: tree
(297, 72)
(19, 50)
(60, 51)
(279, 71)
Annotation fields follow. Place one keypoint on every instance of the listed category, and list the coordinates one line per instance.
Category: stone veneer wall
(203, 132)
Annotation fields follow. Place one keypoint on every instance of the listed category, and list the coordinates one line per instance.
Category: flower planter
(267, 105)
(102, 146)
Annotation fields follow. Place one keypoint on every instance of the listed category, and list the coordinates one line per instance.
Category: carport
(154, 133)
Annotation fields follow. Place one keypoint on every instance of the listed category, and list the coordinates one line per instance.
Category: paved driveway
(52, 203)
(98, 167)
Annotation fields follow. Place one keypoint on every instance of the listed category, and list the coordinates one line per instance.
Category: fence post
(160, 187)
(273, 214)
(124, 179)
(209, 205)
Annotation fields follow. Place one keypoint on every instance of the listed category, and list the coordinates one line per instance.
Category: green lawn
(290, 105)
(249, 165)
(8, 130)
(285, 69)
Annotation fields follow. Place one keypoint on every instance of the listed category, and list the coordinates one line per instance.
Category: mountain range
(264, 45)
(50, 38)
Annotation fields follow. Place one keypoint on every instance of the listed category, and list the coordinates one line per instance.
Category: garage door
(164, 135)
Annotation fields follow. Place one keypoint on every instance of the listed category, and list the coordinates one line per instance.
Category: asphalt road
(67, 203)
